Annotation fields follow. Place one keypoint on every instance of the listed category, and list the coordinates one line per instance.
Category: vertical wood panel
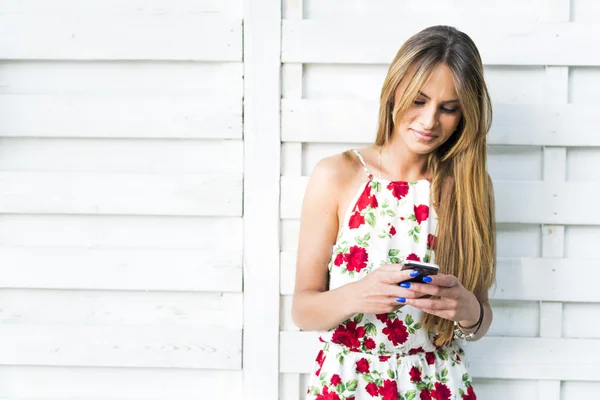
(262, 49)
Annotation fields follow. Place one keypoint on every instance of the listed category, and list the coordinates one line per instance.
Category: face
(433, 117)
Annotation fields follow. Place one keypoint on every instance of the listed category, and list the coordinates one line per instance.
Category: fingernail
(427, 279)
(401, 300)
(414, 273)
(405, 285)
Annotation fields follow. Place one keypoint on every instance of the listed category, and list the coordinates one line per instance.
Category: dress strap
(362, 161)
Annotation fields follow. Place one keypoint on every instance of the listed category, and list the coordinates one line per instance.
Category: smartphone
(423, 268)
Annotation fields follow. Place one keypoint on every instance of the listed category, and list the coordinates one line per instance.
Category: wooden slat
(102, 346)
(516, 201)
(148, 269)
(502, 42)
(114, 232)
(491, 357)
(131, 194)
(344, 121)
(30, 382)
(61, 36)
(122, 116)
(111, 308)
(535, 279)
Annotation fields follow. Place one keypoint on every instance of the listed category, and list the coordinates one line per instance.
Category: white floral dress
(386, 356)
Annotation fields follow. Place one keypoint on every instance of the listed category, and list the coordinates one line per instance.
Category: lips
(425, 136)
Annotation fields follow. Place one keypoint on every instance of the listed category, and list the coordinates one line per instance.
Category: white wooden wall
(143, 221)
(544, 78)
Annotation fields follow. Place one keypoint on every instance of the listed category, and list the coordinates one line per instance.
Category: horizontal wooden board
(121, 346)
(501, 42)
(491, 357)
(151, 155)
(219, 79)
(535, 279)
(121, 116)
(110, 269)
(31, 382)
(62, 36)
(131, 194)
(109, 308)
(520, 202)
(335, 121)
(112, 232)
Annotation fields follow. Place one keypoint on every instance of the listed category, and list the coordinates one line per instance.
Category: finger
(398, 276)
(432, 289)
(444, 280)
(431, 305)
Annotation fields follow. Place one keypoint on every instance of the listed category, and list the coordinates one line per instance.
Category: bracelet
(478, 321)
(459, 334)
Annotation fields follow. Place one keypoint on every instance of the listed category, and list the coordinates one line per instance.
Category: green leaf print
(391, 213)
(467, 384)
(358, 318)
(370, 219)
(444, 372)
(442, 354)
(437, 376)
(421, 385)
(368, 378)
(341, 360)
(465, 377)
(417, 326)
(370, 329)
(418, 228)
(393, 252)
(352, 385)
(409, 319)
(385, 204)
(411, 330)
(383, 235)
(411, 395)
(378, 186)
(341, 388)
(461, 392)
(394, 260)
(315, 391)
(367, 237)
(391, 374)
(379, 382)
(427, 258)
(382, 213)
(411, 217)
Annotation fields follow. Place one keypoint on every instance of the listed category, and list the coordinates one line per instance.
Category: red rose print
(382, 317)
(369, 343)
(425, 395)
(335, 380)
(470, 395)
(413, 256)
(392, 231)
(356, 220)
(430, 357)
(421, 213)
(431, 241)
(399, 189)
(384, 358)
(366, 199)
(326, 395)
(416, 351)
(362, 366)
(389, 390)
(396, 331)
(357, 258)
(372, 389)
(457, 358)
(348, 335)
(350, 398)
(339, 259)
(441, 392)
(415, 374)
(320, 360)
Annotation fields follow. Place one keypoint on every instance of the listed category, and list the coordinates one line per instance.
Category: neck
(398, 163)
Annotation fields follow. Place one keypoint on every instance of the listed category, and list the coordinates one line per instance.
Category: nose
(428, 117)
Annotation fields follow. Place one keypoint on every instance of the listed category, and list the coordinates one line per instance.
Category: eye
(449, 110)
(419, 102)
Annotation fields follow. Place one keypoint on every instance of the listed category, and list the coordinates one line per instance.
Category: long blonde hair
(460, 186)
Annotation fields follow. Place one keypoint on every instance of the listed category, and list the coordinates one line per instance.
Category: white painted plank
(92, 383)
(291, 159)
(532, 279)
(326, 121)
(577, 322)
(502, 389)
(501, 42)
(490, 357)
(290, 387)
(122, 232)
(151, 155)
(109, 308)
(121, 346)
(147, 269)
(62, 36)
(218, 79)
(130, 194)
(538, 202)
(137, 116)
(262, 171)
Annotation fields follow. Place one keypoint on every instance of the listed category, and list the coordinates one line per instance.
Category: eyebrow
(443, 102)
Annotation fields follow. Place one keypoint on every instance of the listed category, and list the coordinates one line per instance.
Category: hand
(451, 299)
(379, 291)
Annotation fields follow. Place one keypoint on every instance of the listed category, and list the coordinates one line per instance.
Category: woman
(421, 192)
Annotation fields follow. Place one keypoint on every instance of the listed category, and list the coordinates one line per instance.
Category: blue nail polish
(401, 300)
(427, 279)
(405, 285)
(414, 273)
